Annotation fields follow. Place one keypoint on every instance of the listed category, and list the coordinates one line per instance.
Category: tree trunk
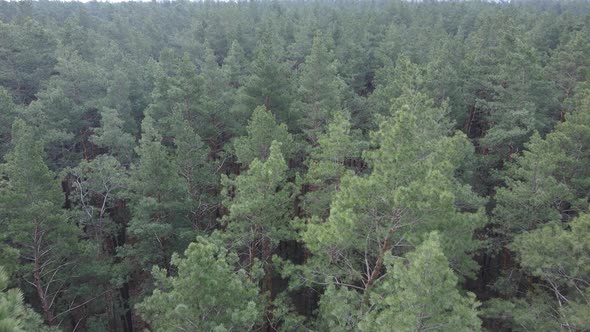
(38, 280)
(267, 284)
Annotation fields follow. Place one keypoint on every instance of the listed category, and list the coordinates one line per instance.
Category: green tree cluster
(294, 166)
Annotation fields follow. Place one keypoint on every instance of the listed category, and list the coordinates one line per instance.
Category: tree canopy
(295, 165)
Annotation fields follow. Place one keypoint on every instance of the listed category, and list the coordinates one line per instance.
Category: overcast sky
(131, 0)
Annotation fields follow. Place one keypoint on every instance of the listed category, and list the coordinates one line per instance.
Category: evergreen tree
(31, 201)
(234, 65)
(443, 79)
(411, 190)
(96, 195)
(177, 86)
(320, 90)
(421, 295)
(198, 174)
(66, 110)
(391, 81)
(553, 254)
(206, 293)
(260, 211)
(15, 316)
(558, 256)
(545, 187)
(27, 57)
(569, 67)
(110, 135)
(262, 131)
(8, 112)
(269, 82)
(157, 228)
(360, 100)
(548, 182)
(507, 100)
(216, 100)
(328, 164)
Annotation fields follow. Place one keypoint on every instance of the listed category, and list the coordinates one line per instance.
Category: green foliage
(259, 204)
(393, 80)
(569, 66)
(177, 86)
(15, 316)
(234, 65)
(155, 189)
(558, 256)
(320, 91)
(509, 99)
(198, 173)
(341, 309)
(546, 187)
(26, 58)
(111, 135)
(522, 314)
(97, 186)
(205, 294)
(269, 82)
(548, 182)
(327, 165)
(8, 112)
(443, 81)
(262, 131)
(35, 224)
(411, 190)
(217, 97)
(131, 137)
(260, 213)
(421, 294)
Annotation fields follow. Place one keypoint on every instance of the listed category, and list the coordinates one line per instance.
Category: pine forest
(295, 165)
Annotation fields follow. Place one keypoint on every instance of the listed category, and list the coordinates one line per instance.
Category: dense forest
(295, 166)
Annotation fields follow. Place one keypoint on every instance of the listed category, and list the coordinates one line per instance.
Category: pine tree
(97, 186)
(546, 188)
(198, 174)
(421, 294)
(31, 201)
(260, 210)
(111, 135)
(262, 131)
(96, 200)
(66, 110)
(320, 90)
(186, 88)
(303, 36)
(217, 99)
(27, 58)
(15, 316)
(569, 66)
(356, 43)
(443, 79)
(548, 182)
(509, 99)
(391, 81)
(260, 207)
(234, 65)
(8, 112)
(269, 82)
(328, 164)
(155, 190)
(178, 85)
(411, 191)
(558, 256)
(205, 294)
